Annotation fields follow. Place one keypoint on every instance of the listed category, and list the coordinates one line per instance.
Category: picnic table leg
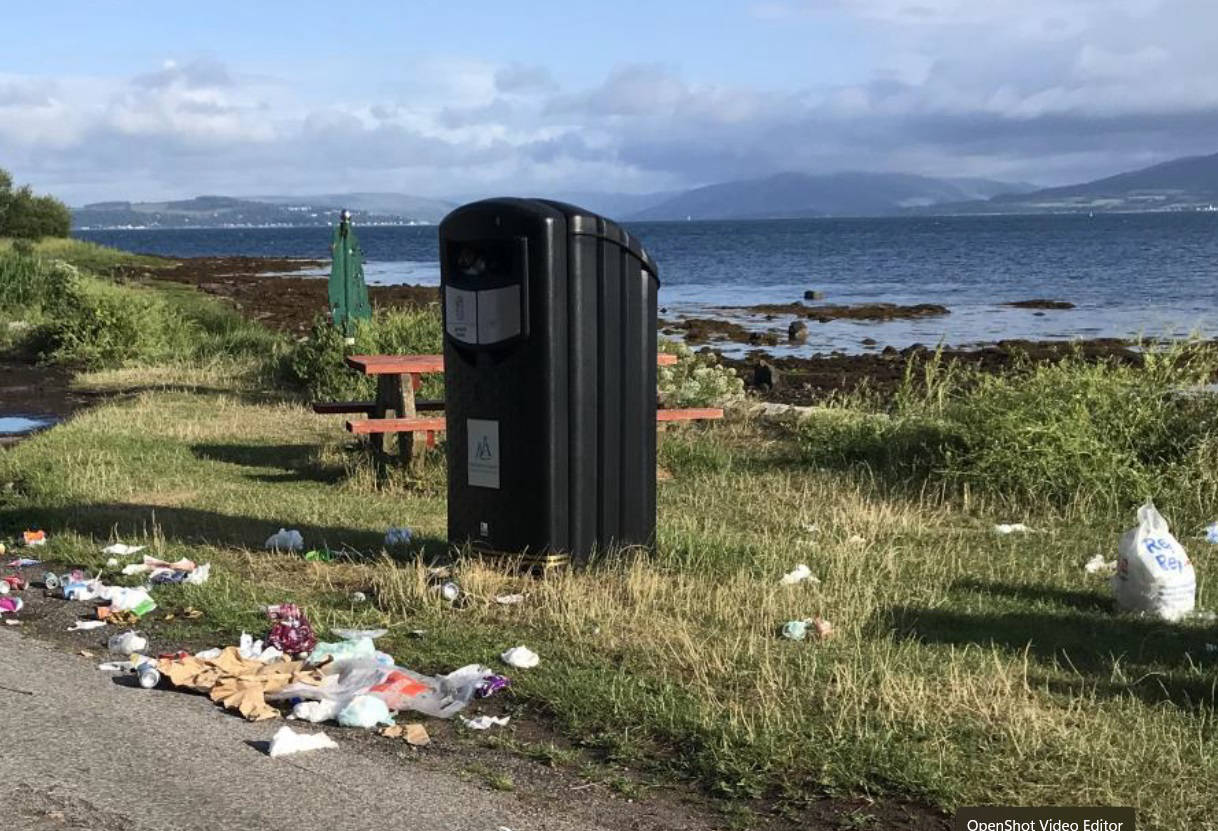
(384, 403)
(403, 402)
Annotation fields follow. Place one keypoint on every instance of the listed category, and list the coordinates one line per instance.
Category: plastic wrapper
(290, 629)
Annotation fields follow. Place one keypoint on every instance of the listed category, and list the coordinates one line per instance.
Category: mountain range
(1179, 185)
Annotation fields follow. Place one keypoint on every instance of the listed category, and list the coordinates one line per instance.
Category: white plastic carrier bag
(1153, 570)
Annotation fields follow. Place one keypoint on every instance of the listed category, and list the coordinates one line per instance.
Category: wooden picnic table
(398, 378)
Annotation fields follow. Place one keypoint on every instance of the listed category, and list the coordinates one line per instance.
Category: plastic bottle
(148, 674)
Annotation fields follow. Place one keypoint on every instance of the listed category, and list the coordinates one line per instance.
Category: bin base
(525, 560)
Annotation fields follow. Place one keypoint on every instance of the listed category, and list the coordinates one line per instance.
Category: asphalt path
(82, 751)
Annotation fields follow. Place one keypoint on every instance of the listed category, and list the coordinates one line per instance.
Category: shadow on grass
(1083, 601)
(290, 462)
(1106, 654)
(192, 526)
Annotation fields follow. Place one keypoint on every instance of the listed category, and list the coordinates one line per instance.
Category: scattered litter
(485, 722)
(318, 555)
(12, 622)
(148, 675)
(134, 568)
(811, 528)
(287, 741)
(415, 734)
(398, 536)
(798, 630)
(200, 575)
(450, 590)
(84, 653)
(112, 563)
(114, 666)
(117, 618)
(81, 590)
(123, 550)
(509, 599)
(166, 577)
(799, 574)
(33, 538)
(14, 582)
(417, 633)
(86, 625)
(127, 643)
(359, 597)
(1211, 532)
(345, 650)
(290, 629)
(521, 657)
(123, 599)
(490, 685)
(252, 650)
(1015, 528)
(316, 711)
(855, 539)
(1153, 571)
(1098, 564)
(24, 562)
(285, 540)
(211, 654)
(365, 711)
(238, 683)
(10, 604)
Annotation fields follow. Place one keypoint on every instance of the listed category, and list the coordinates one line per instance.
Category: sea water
(1153, 275)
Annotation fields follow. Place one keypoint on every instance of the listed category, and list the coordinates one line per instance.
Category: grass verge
(966, 667)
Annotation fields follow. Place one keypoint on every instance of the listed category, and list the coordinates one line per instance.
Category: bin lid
(583, 222)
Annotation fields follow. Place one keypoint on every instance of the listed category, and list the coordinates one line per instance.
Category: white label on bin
(498, 314)
(482, 461)
(461, 314)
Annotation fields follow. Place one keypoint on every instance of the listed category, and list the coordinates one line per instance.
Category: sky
(107, 99)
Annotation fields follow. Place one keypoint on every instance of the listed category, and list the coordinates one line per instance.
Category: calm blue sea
(1150, 274)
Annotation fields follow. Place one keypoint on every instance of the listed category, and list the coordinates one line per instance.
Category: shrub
(100, 325)
(1062, 434)
(696, 380)
(316, 363)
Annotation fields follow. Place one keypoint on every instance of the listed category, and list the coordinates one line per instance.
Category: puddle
(20, 425)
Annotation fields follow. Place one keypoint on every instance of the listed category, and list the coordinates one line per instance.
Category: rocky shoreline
(267, 290)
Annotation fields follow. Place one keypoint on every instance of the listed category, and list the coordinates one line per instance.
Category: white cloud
(1046, 90)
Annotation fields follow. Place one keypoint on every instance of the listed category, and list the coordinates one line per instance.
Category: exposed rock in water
(862, 311)
(765, 376)
(1041, 304)
(797, 331)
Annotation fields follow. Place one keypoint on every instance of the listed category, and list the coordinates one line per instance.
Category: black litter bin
(550, 380)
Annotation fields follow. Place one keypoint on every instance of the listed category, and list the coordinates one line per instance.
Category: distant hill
(419, 208)
(227, 211)
(1181, 185)
(789, 195)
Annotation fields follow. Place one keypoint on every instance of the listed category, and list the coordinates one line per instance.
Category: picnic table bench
(399, 377)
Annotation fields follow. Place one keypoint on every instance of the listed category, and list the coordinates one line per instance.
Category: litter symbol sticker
(482, 461)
